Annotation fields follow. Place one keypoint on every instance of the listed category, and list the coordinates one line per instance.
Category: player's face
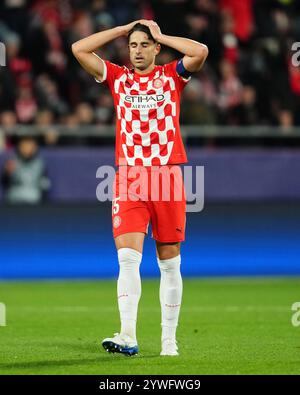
(142, 50)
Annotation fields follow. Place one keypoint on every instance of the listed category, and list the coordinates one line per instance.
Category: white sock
(129, 289)
(170, 294)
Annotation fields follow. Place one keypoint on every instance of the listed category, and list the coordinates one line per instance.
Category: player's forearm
(184, 45)
(98, 40)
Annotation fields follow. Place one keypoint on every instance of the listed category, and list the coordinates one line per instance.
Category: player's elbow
(74, 48)
(203, 52)
(200, 58)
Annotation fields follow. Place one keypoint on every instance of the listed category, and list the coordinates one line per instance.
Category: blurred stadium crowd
(248, 78)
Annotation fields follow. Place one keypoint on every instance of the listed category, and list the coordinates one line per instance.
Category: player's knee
(132, 240)
(169, 265)
(129, 257)
(168, 251)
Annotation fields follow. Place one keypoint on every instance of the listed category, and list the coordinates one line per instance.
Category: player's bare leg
(168, 257)
(130, 248)
(134, 240)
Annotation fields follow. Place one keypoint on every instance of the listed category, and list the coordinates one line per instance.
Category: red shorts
(150, 194)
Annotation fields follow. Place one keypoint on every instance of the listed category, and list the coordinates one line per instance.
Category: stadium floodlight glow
(2, 314)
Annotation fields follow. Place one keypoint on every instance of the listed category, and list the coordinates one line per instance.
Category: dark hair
(138, 27)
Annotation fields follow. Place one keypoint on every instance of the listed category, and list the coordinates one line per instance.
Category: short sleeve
(111, 71)
(180, 81)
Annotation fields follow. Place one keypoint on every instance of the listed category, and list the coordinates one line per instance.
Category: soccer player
(147, 104)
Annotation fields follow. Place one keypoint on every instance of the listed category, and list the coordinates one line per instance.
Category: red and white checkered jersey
(147, 114)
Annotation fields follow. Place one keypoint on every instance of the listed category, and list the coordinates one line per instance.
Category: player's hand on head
(153, 26)
(130, 26)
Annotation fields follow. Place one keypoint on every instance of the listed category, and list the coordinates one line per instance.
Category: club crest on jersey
(157, 83)
(117, 221)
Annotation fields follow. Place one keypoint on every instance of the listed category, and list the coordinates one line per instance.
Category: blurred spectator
(230, 92)
(85, 114)
(26, 106)
(104, 112)
(246, 112)
(51, 137)
(194, 110)
(102, 17)
(242, 15)
(285, 121)
(24, 178)
(229, 38)
(203, 24)
(48, 95)
(8, 122)
(125, 10)
(44, 120)
(71, 121)
(16, 63)
(2, 141)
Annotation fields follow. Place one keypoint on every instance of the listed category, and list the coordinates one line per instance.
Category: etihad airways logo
(144, 101)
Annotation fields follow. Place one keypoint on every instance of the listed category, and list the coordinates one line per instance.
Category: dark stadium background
(240, 120)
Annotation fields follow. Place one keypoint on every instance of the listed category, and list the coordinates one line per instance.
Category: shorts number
(115, 206)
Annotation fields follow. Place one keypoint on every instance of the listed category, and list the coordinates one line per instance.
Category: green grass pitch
(227, 326)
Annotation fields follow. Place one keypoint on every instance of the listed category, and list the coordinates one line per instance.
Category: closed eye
(134, 45)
